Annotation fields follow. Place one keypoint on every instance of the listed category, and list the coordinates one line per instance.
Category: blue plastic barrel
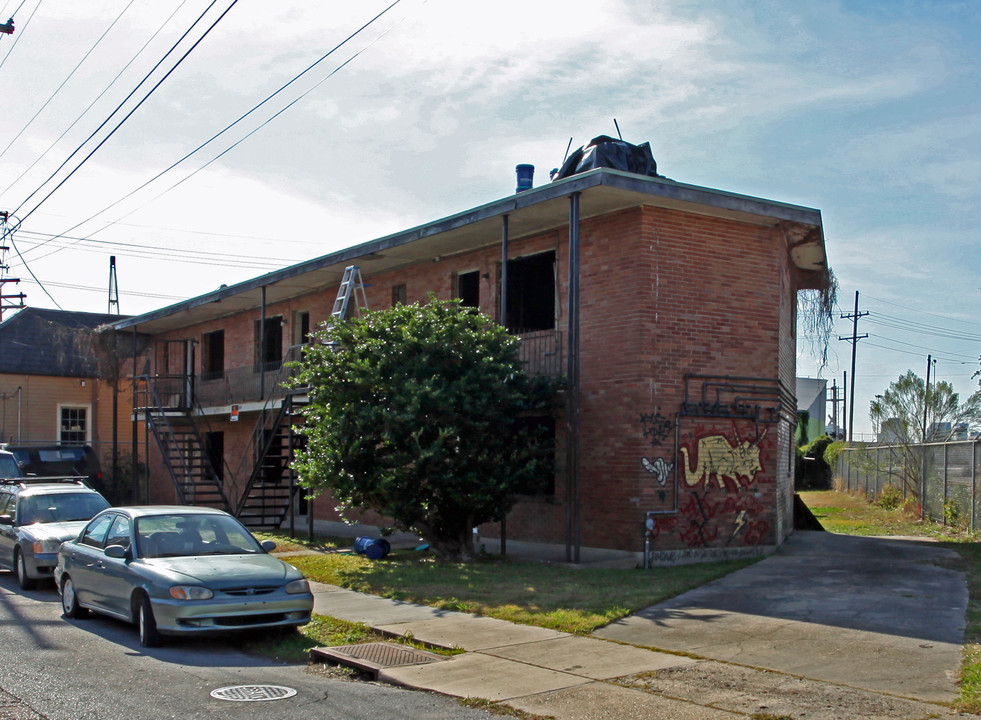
(371, 548)
(526, 176)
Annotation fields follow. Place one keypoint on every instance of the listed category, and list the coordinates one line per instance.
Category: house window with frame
(73, 425)
(213, 355)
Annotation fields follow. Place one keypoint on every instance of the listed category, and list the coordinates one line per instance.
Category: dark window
(269, 342)
(468, 289)
(74, 425)
(302, 328)
(214, 445)
(531, 293)
(213, 355)
(398, 295)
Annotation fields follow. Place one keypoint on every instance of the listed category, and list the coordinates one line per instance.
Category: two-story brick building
(670, 308)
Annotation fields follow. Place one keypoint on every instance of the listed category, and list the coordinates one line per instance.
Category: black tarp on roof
(38, 341)
(607, 152)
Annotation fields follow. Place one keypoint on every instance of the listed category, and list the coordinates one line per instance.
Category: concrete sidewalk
(830, 626)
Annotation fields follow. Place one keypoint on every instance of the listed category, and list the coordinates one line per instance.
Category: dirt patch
(746, 690)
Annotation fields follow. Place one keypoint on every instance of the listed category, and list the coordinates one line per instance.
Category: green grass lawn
(579, 601)
(574, 601)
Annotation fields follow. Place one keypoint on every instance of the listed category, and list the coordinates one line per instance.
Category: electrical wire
(92, 104)
(65, 81)
(121, 104)
(102, 290)
(21, 32)
(236, 122)
(97, 147)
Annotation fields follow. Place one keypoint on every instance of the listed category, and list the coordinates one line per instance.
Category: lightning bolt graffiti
(739, 523)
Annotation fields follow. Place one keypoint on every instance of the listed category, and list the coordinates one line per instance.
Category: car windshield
(188, 535)
(59, 507)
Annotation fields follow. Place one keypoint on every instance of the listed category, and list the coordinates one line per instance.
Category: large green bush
(420, 413)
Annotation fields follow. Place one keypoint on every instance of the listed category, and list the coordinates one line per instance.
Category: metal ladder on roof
(351, 285)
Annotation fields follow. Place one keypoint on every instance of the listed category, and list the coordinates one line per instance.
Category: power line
(119, 107)
(20, 33)
(65, 81)
(238, 120)
(92, 104)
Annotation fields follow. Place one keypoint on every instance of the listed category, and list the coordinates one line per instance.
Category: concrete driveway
(880, 614)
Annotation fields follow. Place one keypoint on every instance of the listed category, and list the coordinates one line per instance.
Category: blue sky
(868, 111)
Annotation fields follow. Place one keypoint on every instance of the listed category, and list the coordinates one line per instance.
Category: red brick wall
(664, 293)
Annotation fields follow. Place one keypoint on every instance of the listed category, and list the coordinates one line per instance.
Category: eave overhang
(531, 212)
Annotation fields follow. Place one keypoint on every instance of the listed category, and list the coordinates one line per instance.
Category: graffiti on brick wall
(656, 427)
(731, 519)
(659, 468)
(733, 464)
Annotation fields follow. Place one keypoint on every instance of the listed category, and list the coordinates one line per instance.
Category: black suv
(36, 516)
(59, 461)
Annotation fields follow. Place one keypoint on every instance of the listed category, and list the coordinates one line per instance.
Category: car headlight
(45, 546)
(191, 592)
(297, 586)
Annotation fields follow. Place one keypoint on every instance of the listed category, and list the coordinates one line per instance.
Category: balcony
(541, 352)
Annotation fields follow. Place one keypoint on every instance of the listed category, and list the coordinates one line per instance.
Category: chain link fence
(944, 474)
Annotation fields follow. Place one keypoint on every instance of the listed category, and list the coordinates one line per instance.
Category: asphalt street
(96, 669)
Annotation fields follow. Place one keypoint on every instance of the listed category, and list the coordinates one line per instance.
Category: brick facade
(687, 367)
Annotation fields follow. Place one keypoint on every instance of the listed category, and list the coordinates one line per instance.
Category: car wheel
(69, 600)
(25, 582)
(149, 637)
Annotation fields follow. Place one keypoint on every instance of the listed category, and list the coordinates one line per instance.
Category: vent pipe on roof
(526, 177)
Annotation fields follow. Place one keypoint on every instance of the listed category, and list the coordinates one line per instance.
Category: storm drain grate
(375, 656)
(253, 693)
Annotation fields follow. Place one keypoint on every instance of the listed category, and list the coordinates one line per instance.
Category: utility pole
(926, 396)
(855, 337)
(835, 399)
(113, 286)
(4, 280)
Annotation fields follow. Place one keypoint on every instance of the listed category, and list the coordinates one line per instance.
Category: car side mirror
(268, 545)
(117, 552)
(6, 520)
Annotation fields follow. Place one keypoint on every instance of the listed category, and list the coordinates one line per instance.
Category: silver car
(176, 570)
(36, 516)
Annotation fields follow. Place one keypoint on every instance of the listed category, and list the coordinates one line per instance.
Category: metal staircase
(185, 455)
(272, 484)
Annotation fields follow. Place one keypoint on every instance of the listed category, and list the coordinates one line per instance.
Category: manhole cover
(375, 656)
(253, 693)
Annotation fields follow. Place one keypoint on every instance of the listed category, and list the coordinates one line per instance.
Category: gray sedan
(177, 570)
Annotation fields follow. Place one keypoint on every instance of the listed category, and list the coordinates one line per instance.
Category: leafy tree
(899, 414)
(900, 410)
(416, 412)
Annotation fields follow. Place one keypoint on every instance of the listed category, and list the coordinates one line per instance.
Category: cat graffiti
(716, 457)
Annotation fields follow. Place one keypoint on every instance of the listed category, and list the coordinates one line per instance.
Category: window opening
(213, 355)
(302, 328)
(531, 293)
(398, 295)
(214, 446)
(269, 345)
(468, 289)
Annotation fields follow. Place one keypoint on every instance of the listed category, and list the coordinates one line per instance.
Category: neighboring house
(52, 390)
(671, 308)
(812, 398)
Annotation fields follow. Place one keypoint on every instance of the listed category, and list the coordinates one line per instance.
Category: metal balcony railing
(541, 352)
